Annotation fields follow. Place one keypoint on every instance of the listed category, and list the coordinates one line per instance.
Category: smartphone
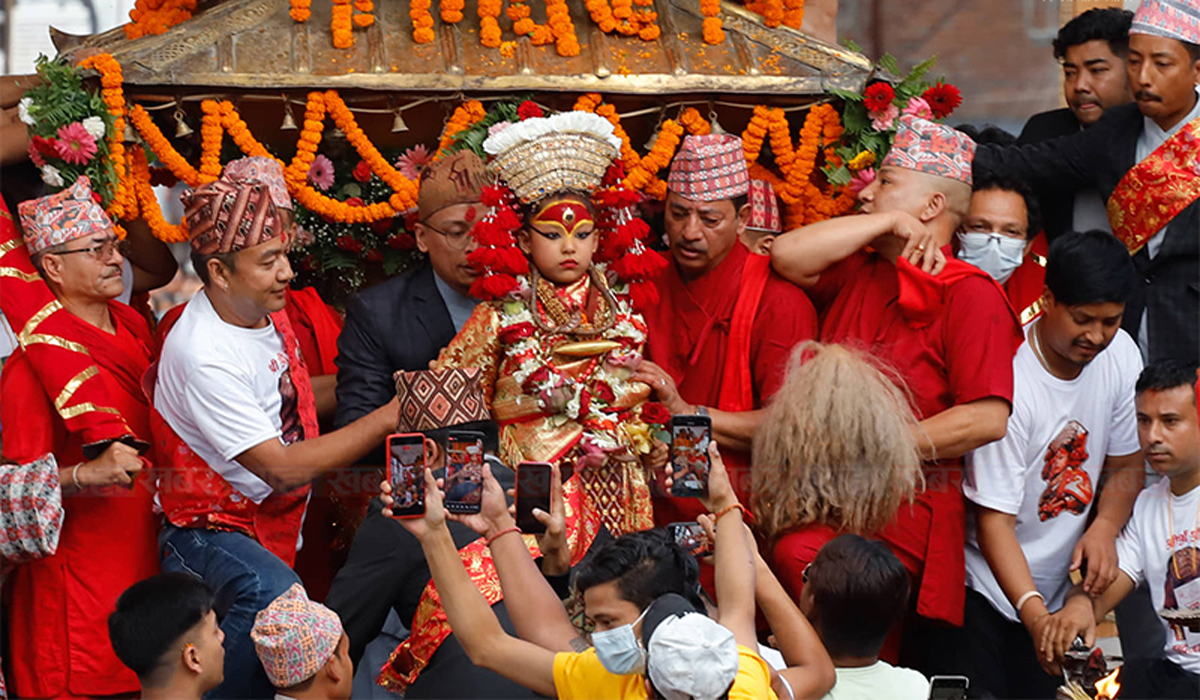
(406, 473)
(691, 537)
(463, 482)
(690, 436)
(533, 491)
(948, 688)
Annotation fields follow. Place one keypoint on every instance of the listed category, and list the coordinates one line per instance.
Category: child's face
(561, 239)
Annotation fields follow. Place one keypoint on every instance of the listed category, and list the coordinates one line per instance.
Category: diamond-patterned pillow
(439, 398)
(31, 512)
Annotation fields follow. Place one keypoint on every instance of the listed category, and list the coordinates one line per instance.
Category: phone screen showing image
(533, 491)
(692, 538)
(406, 473)
(690, 436)
(463, 483)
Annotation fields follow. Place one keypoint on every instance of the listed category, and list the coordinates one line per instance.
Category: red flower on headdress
(362, 171)
(878, 97)
(943, 99)
(654, 412)
(529, 109)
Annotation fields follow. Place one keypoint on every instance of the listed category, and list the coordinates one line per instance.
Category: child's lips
(569, 264)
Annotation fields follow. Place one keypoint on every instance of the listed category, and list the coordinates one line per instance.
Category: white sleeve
(226, 411)
(1130, 557)
(1122, 432)
(995, 473)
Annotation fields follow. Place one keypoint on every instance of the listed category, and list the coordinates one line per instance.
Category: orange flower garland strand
(342, 24)
(489, 25)
(712, 31)
(418, 11)
(150, 17)
(658, 157)
(211, 135)
(404, 191)
(364, 18)
(113, 94)
(694, 123)
(793, 13)
(463, 117)
(451, 11)
(151, 211)
(558, 18)
(162, 148)
(300, 11)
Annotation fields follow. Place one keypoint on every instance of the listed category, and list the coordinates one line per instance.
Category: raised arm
(732, 555)
(809, 671)
(474, 624)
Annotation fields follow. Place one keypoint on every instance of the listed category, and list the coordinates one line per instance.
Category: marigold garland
(712, 31)
(418, 11)
(489, 25)
(658, 157)
(756, 133)
(451, 11)
(301, 10)
(149, 17)
(364, 18)
(151, 211)
(558, 18)
(162, 148)
(694, 123)
(341, 23)
(464, 116)
(211, 135)
(793, 13)
(113, 94)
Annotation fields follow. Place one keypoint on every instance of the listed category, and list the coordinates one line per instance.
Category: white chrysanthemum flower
(23, 110)
(51, 176)
(95, 127)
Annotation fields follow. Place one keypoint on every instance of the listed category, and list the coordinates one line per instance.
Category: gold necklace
(568, 322)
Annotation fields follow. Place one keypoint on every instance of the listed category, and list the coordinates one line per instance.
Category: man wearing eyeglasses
(58, 644)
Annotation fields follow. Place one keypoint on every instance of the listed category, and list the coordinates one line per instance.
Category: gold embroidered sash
(1157, 189)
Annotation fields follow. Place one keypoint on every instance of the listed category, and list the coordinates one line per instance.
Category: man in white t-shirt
(236, 416)
(1161, 543)
(855, 591)
(1071, 427)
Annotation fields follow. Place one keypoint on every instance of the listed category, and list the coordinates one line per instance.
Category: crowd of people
(949, 432)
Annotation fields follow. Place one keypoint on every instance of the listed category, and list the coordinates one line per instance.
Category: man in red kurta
(949, 337)
(720, 338)
(59, 645)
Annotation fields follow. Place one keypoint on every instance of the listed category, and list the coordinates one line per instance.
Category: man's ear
(935, 204)
(52, 268)
(332, 669)
(218, 273)
(743, 218)
(191, 658)
(1047, 298)
(421, 234)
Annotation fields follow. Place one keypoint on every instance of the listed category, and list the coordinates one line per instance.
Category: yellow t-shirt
(581, 676)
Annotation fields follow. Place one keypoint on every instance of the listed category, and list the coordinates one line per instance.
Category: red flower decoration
(309, 262)
(529, 109)
(362, 171)
(374, 255)
(604, 392)
(943, 99)
(655, 413)
(382, 226)
(355, 202)
(349, 244)
(402, 241)
(520, 331)
(878, 97)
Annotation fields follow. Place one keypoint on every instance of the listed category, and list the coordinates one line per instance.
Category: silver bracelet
(75, 476)
(1025, 599)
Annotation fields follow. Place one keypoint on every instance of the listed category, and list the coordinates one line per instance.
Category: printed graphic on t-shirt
(289, 405)
(1068, 486)
(1182, 588)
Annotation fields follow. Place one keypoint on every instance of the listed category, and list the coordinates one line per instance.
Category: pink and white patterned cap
(1174, 19)
(709, 168)
(294, 637)
(267, 171)
(764, 208)
(931, 148)
(63, 216)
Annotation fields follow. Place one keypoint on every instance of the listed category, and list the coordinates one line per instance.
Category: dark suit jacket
(1099, 157)
(400, 324)
(1058, 204)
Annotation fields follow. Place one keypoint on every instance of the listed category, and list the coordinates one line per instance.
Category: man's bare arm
(960, 429)
(809, 670)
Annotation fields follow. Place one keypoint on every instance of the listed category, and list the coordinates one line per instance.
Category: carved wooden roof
(254, 45)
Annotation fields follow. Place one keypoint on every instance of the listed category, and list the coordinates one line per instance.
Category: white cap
(692, 656)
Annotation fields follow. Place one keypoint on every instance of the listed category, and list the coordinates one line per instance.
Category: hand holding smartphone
(690, 464)
(463, 482)
(533, 491)
(406, 474)
(692, 538)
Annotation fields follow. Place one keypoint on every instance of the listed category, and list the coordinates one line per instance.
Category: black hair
(1192, 49)
(200, 264)
(739, 202)
(1109, 24)
(151, 616)
(644, 565)
(860, 590)
(1089, 268)
(1163, 375)
(988, 133)
(990, 180)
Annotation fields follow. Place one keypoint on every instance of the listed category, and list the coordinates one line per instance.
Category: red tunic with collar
(58, 626)
(951, 340)
(689, 338)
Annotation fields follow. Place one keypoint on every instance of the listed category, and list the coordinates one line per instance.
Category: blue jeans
(246, 578)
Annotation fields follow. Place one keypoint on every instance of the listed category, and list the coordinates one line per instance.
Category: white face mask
(994, 253)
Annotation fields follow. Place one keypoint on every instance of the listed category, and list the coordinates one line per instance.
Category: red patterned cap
(931, 148)
(265, 170)
(224, 217)
(764, 208)
(709, 168)
(294, 637)
(1174, 19)
(63, 216)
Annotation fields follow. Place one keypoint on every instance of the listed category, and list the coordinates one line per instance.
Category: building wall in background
(28, 31)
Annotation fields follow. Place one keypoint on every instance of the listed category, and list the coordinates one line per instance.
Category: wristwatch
(702, 411)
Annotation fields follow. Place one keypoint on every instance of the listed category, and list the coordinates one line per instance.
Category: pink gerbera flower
(320, 173)
(413, 160)
(861, 179)
(75, 145)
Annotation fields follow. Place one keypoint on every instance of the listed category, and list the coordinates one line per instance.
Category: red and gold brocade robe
(617, 493)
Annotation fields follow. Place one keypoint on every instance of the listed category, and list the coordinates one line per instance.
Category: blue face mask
(619, 650)
(994, 253)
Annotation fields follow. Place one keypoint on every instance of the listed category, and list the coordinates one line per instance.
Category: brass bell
(716, 125)
(398, 125)
(181, 127)
(289, 121)
(130, 135)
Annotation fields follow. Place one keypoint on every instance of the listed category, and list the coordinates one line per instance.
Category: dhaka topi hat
(1174, 19)
(265, 170)
(709, 168)
(294, 637)
(931, 148)
(458, 178)
(63, 216)
(764, 208)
